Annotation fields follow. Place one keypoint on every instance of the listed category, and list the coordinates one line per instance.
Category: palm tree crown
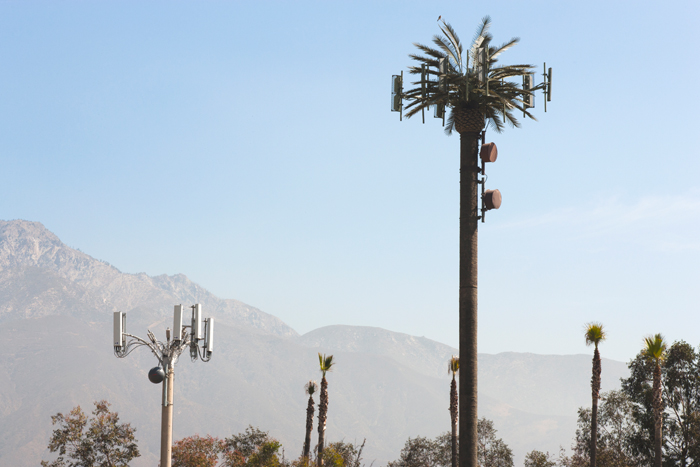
(310, 388)
(655, 347)
(325, 362)
(471, 82)
(595, 334)
(453, 365)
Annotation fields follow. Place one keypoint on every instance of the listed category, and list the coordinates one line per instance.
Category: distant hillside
(41, 276)
(423, 355)
(55, 310)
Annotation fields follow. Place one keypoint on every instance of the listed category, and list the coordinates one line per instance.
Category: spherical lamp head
(156, 375)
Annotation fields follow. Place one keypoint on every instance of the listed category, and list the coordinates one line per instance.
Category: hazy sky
(250, 146)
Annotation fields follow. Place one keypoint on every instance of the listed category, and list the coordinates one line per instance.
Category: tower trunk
(469, 124)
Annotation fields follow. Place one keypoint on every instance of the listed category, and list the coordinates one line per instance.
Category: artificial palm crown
(461, 88)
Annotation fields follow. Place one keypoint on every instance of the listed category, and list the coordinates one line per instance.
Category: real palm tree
(453, 367)
(595, 335)
(325, 362)
(655, 350)
(476, 93)
(310, 388)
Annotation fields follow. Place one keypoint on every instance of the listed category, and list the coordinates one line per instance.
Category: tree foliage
(626, 417)
(680, 384)
(252, 448)
(196, 451)
(342, 454)
(99, 441)
(425, 452)
(615, 425)
(418, 452)
(539, 459)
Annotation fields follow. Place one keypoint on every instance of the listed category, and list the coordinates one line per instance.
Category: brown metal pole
(166, 427)
(468, 223)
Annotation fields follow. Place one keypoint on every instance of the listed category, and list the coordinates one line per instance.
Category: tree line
(102, 440)
(653, 420)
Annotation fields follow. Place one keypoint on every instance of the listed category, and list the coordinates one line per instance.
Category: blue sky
(250, 146)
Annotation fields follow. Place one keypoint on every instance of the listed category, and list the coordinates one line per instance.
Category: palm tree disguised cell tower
(477, 92)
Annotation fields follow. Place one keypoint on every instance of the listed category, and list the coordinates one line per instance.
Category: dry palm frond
(311, 387)
(453, 365)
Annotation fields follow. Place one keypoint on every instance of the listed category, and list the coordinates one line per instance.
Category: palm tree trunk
(468, 212)
(595, 394)
(309, 428)
(454, 404)
(657, 415)
(322, 411)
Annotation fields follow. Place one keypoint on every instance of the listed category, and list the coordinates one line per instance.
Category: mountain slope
(39, 276)
(55, 310)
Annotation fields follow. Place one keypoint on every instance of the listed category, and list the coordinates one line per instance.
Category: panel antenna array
(490, 199)
(198, 336)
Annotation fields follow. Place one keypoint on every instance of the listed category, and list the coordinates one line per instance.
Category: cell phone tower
(468, 89)
(183, 336)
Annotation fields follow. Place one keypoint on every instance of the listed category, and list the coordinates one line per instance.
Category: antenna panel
(197, 329)
(177, 323)
(549, 85)
(209, 340)
(528, 84)
(396, 93)
(442, 70)
(119, 321)
(439, 111)
(482, 64)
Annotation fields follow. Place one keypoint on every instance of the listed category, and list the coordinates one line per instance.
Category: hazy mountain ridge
(65, 279)
(418, 353)
(508, 376)
(56, 304)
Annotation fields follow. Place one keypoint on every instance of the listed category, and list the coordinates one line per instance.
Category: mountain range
(56, 307)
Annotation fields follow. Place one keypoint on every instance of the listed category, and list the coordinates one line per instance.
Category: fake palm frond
(462, 86)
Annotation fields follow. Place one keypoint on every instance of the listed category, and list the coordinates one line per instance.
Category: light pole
(477, 92)
(167, 354)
